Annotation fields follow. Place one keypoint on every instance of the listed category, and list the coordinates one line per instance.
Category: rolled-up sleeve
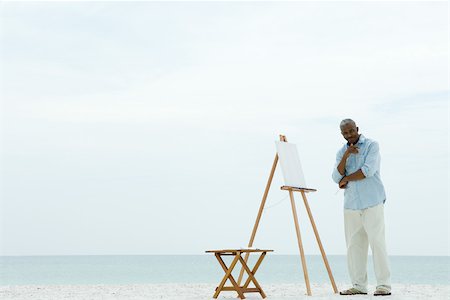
(336, 175)
(372, 161)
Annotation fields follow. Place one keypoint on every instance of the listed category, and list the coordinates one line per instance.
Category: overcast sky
(149, 127)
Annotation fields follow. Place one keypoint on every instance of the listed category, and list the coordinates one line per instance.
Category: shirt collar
(361, 140)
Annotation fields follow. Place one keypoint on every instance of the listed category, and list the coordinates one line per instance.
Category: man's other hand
(343, 184)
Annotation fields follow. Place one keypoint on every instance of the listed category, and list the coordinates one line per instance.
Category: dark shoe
(351, 291)
(381, 292)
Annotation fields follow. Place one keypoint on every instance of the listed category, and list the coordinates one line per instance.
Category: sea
(191, 269)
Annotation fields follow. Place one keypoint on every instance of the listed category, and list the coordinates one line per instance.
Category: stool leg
(255, 268)
(300, 245)
(228, 276)
(252, 277)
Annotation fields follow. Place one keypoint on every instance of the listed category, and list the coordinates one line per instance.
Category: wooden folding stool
(240, 289)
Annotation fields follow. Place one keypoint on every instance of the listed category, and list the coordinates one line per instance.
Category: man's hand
(352, 149)
(343, 183)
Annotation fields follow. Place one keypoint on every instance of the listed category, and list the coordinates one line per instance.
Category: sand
(205, 291)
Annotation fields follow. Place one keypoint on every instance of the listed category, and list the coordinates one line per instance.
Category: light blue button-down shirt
(367, 192)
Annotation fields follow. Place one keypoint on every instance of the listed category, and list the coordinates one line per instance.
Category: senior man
(357, 170)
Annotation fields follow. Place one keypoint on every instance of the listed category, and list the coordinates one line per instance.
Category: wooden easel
(291, 190)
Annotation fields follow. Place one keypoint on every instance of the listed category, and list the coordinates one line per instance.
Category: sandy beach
(205, 291)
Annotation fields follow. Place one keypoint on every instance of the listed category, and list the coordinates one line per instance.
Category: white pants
(364, 227)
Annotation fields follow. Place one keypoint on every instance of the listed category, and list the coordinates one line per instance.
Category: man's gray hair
(347, 121)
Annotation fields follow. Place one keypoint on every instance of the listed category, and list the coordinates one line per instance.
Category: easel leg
(300, 245)
(258, 218)
(322, 251)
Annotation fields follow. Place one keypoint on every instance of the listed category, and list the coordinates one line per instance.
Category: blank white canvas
(290, 165)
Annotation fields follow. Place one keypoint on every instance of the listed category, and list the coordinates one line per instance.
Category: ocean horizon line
(202, 254)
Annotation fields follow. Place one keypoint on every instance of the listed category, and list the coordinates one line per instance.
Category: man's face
(350, 132)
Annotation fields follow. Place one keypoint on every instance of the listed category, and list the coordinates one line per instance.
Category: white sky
(149, 127)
